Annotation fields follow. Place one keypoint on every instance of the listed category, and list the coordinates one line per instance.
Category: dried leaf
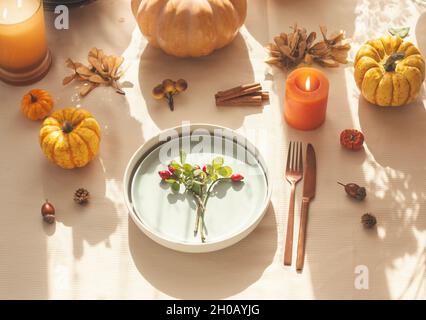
(319, 49)
(118, 61)
(98, 79)
(328, 63)
(299, 47)
(311, 38)
(308, 59)
(84, 71)
(323, 29)
(279, 41)
(70, 64)
(272, 47)
(284, 37)
(336, 37)
(97, 65)
(87, 88)
(272, 60)
(68, 79)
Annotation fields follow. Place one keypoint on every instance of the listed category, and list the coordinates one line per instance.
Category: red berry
(171, 169)
(205, 168)
(236, 177)
(164, 174)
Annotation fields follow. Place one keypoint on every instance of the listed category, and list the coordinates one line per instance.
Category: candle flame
(308, 84)
(19, 3)
(5, 13)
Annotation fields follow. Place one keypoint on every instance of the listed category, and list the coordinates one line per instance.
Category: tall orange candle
(24, 56)
(306, 95)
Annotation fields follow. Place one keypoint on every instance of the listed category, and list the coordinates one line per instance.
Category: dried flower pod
(368, 220)
(102, 70)
(299, 48)
(48, 212)
(354, 191)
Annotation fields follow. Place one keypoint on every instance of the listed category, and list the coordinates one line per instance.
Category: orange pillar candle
(24, 56)
(306, 94)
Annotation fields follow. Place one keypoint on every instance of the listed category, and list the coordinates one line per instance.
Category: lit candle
(306, 98)
(24, 56)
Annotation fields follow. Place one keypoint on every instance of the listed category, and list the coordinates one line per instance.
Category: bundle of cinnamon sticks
(244, 95)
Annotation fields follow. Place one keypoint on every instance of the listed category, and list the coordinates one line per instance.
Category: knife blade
(310, 175)
(309, 186)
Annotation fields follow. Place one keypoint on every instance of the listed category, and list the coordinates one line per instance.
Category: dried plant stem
(170, 101)
(197, 220)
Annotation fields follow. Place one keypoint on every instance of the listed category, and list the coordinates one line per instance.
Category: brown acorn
(48, 212)
(355, 191)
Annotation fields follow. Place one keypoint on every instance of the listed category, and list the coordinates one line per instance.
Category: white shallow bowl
(168, 218)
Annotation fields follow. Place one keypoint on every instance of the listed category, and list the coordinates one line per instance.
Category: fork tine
(287, 168)
(293, 156)
(296, 157)
(301, 158)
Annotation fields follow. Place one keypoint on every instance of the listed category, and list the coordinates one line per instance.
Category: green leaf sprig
(198, 182)
(401, 32)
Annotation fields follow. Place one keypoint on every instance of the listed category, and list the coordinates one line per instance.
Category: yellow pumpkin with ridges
(70, 137)
(389, 71)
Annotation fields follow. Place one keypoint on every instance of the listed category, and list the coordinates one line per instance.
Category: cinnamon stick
(236, 89)
(264, 94)
(241, 101)
(238, 92)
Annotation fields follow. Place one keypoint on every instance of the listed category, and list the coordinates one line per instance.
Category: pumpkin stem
(67, 128)
(390, 64)
(33, 98)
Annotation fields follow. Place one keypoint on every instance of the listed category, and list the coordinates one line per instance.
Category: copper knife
(309, 185)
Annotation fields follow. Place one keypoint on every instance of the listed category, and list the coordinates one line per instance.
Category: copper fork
(293, 174)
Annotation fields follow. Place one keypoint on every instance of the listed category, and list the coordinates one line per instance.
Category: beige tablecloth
(97, 252)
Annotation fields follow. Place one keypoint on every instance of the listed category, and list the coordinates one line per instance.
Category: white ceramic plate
(168, 218)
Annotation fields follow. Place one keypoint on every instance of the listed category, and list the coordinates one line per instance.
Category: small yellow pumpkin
(189, 28)
(70, 137)
(37, 104)
(389, 71)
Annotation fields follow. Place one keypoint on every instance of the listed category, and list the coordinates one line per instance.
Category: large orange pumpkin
(189, 28)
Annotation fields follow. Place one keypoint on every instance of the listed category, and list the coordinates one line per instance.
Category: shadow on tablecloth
(214, 275)
(225, 68)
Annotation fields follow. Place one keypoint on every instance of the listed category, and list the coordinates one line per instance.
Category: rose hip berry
(171, 169)
(236, 177)
(164, 174)
(205, 168)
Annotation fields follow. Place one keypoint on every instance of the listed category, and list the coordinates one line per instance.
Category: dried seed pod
(158, 92)
(48, 212)
(169, 86)
(181, 85)
(355, 191)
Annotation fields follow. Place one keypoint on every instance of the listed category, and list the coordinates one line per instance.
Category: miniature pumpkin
(37, 104)
(389, 71)
(189, 28)
(70, 138)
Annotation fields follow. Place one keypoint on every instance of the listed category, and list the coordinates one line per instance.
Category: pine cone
(368, 220)
(81, 196)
